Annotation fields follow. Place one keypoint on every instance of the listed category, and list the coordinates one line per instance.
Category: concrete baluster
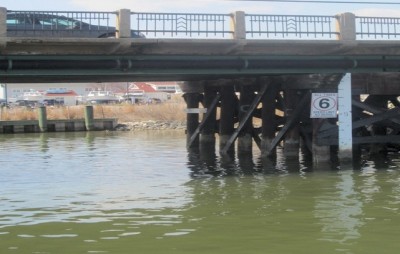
(3, 22)
(238, 25)
(346, 27)
(123, 24)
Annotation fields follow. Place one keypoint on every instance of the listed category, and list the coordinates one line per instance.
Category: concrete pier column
(292, 137)
(192, 117)
(89, 118)
(245, 137)
(123, 24)
(269, 122)
(207, 134)
(3, 22)
(228, 107)
(42, 118)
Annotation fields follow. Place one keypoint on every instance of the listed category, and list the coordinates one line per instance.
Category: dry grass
(173, 109)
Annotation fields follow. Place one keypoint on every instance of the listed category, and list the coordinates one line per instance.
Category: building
(157, 90)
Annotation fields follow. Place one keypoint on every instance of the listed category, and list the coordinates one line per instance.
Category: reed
(172, 110)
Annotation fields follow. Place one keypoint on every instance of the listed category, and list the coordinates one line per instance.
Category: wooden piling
(89, 118)
(292, 138)
(207, 134)
(192, 118)
(268, 117)
(228, 108)
(320, 153)
(245, 137)
(377, 129)
(42, 118)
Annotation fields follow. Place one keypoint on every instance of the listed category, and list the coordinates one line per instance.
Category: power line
(324, 2)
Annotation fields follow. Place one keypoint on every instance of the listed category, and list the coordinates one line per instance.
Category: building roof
(142, 86)
(66, 93)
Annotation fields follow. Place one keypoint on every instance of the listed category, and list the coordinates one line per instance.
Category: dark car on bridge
(42, 24)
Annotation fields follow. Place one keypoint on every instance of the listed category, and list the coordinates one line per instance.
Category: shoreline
(151, 125)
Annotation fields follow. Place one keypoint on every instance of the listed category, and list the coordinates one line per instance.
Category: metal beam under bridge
(76, 68)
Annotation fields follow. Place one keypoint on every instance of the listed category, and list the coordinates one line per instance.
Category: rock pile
(150, 125)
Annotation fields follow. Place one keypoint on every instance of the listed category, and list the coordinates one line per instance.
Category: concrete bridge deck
(337, 44)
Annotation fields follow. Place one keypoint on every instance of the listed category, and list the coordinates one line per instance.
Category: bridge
(275, 61)
(197, 46)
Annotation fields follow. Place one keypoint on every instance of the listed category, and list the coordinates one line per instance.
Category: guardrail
(291, 26)
(238, 25)
(378, 28)
(181, 25)
(65, 24)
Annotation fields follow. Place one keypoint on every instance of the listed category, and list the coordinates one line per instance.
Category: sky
(207, 6)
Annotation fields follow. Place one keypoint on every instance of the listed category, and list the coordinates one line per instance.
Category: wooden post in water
(320, 153)
(268, 116)
(227, 121)
(207, 137)
(192, 117)
(245, 137)
(42, 118)
(89, 118)
(292, 137)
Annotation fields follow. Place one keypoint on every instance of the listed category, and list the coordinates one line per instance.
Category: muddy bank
(150, 125)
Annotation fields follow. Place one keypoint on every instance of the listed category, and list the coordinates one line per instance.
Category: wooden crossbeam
(389, 114)
(372, 109)
(246, 117)
(378, 139)
(292, 121)
(212, 107)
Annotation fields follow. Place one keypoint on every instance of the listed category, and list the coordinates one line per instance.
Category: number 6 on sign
(324, 105)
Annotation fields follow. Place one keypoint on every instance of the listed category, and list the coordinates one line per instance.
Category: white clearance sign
(324, 105)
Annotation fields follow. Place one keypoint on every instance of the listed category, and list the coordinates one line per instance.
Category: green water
(142, 193)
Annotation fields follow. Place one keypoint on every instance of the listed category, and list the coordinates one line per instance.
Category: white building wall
(15, 90)
(2, 91)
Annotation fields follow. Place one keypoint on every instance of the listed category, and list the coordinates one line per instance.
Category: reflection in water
(107, 192)
(339, 210)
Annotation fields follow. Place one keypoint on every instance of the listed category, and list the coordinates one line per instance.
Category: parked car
(3, 103)
(40, 24)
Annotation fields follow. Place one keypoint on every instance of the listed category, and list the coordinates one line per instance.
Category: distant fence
(202, 25)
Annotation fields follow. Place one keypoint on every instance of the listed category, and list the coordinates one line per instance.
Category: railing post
(238, 25)
(3, 22)
(123, 24)
(346, 27)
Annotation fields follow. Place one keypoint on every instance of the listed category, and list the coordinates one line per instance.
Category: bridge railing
(291, 27)
(62, 23)
(182, 25)
(378, 28)
(237, 25)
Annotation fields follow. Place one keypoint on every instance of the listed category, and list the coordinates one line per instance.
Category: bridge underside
(274, 111)
(100, 60)
(253, 90)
